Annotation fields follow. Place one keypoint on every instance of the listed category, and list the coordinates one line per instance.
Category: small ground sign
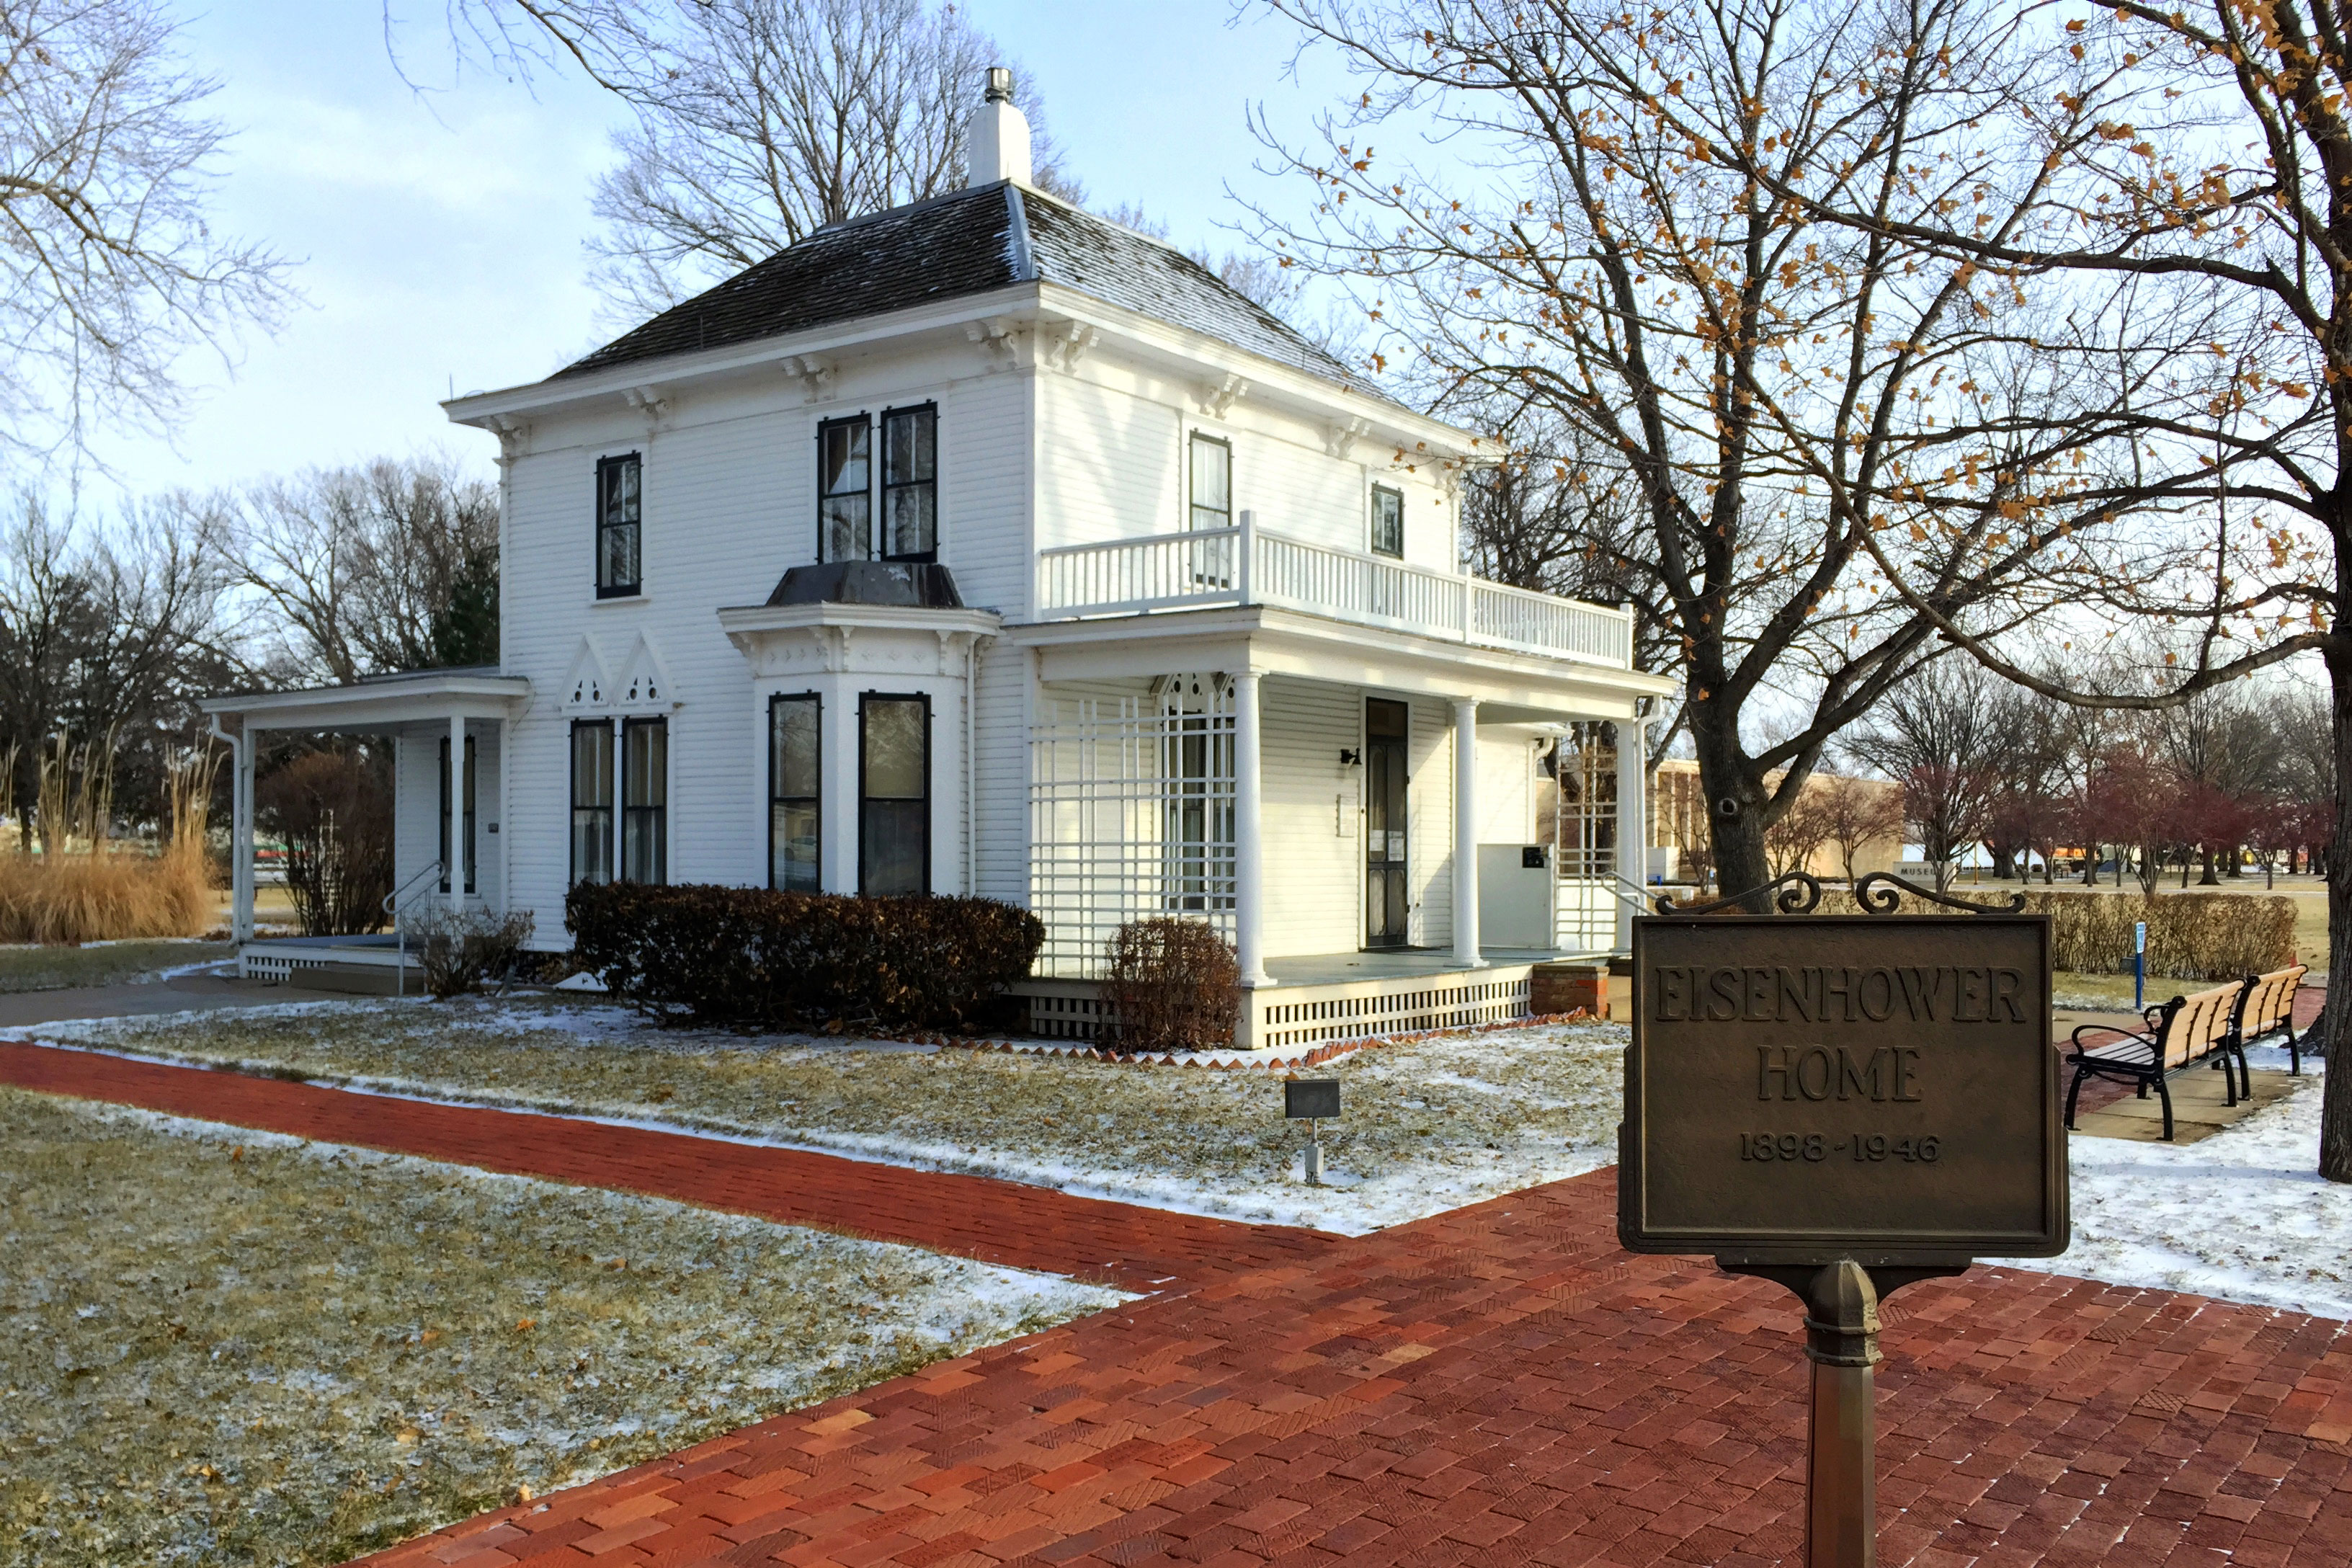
(1875, 1088)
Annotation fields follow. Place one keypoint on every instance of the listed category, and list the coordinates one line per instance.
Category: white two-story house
(983, 546)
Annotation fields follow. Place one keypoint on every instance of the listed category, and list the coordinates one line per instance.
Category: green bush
(2191, 936)
(749, 958)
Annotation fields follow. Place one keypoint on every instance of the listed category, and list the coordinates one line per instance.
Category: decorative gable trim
(645, 684)
(586, 688)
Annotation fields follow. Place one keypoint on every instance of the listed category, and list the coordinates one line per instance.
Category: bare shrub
(1173, 985)
(333, 810)
(460, 949)
(2191, 936)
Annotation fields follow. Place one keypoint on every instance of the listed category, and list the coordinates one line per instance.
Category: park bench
(2179, 1034)
(2266, 1008)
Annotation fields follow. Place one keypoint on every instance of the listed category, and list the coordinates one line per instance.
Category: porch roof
(378, 702)
(1510, 686)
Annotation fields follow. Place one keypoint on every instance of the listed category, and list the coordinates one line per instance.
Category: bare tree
(757, 122)
(1859, 812)
(386, 566)
(106, 633)
(1792, 409)
(1938, 736)
(112, 267)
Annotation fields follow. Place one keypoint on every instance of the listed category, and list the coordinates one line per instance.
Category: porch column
(240, 811)
(1466, 831)
(1249, 855)
(1632, 821)
(455, 783)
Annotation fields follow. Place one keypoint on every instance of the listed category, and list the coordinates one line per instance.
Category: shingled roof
(973, 241)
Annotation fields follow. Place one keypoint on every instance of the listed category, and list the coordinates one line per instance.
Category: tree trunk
(2210, 880)
(2004, 862)
(2336, 1021)
(1734, 799)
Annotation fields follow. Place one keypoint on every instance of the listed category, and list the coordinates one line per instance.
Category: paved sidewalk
(145, 998)
(976, 1216)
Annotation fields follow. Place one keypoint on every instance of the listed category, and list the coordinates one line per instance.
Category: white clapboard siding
(1429, 842)
(1313, 818)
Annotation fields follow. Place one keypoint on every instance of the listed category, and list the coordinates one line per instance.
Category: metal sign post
(1843, 1104)
(1310, 1100)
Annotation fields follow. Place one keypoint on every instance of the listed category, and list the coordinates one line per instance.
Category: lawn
(219, 1346)
(1428, 1125)
(45, 968)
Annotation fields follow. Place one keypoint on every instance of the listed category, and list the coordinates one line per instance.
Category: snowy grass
(2242, 1216)
(1429, 1125)
(222, 1346)
(46, 967)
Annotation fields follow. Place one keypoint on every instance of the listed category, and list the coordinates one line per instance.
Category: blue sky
(438, 237)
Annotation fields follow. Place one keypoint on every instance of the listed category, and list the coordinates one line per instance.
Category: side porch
(1392, 832)
(449, 730)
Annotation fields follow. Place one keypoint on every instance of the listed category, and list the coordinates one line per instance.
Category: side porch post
(455, 783)
(241, 836)
(1633, 820)
(1466, 831)
(1249, 857)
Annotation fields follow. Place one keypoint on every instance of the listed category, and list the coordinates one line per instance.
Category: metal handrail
(394, 904)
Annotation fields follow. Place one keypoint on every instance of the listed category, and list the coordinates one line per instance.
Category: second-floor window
(1211, 482)
(1388, 521)
(619, 522)
(903, 522)
(845, 489)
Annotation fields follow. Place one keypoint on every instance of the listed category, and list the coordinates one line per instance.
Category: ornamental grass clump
(84, 886)
(1173, 985)
(2191, 936)
(750, 958)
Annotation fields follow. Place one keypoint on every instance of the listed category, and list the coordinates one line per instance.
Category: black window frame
(816, 802)
(865, 876)
(862, 422)
(601, 873)
(885, 485)
(473, 838)
(1391, 493)
(1192, 508)
(608, 587)
(629, 810)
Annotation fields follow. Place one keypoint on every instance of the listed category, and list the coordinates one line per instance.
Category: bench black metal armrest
(2145, 1042)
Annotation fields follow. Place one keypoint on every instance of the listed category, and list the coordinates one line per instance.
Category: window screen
(845, 489)
(619, 519)
(645, 800)
(894, 829)
(910, 484)
(1388, 521)
(1212, 483)
(794, 753)
(591, 800)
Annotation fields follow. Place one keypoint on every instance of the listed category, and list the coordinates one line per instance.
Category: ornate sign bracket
(1875, 891)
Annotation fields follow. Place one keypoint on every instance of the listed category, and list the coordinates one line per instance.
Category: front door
(1384, 822)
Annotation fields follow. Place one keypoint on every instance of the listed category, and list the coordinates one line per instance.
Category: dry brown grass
(85, 887)
(224, 1347)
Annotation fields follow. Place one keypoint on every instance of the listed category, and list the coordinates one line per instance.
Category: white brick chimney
(996, 143)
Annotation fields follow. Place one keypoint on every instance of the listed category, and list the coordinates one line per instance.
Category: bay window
(894, 773)
(794, 756)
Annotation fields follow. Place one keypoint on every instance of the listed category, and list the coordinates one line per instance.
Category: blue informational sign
(2139, 965)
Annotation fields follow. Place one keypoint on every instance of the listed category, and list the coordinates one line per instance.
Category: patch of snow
(2242, 1216)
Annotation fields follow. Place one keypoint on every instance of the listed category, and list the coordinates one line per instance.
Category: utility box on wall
(1513, 896)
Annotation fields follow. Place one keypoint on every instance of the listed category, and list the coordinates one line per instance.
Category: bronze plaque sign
(1874, 1087)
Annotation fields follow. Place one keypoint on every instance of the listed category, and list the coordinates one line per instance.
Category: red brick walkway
(997, 1221)
(1496, 1385)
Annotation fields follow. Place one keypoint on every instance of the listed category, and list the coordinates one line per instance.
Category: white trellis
(1584, 839)
(1131, 814)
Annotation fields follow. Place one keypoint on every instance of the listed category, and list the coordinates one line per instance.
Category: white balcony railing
(1250, 565)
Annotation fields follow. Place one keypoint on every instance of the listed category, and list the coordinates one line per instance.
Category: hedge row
(2191, 936)
(745, 957)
